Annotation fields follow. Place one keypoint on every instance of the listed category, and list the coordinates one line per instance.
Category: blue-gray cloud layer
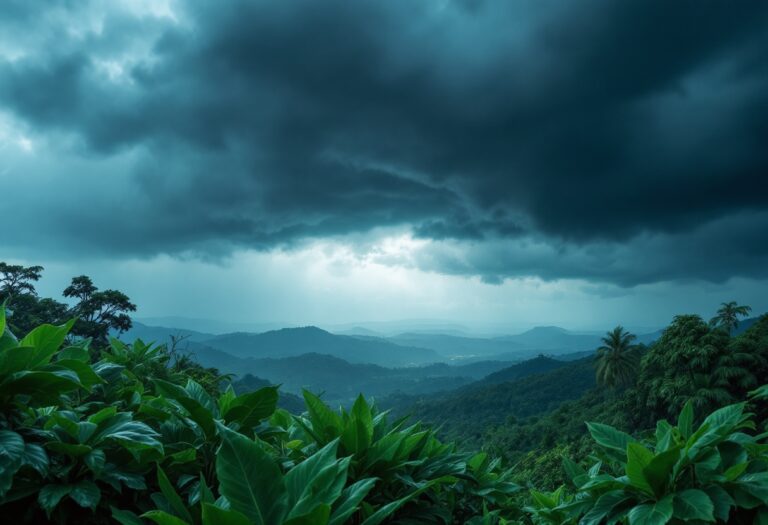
(541, 138)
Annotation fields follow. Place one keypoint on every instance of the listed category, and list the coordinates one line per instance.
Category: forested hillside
(467, 414)
(96, 430)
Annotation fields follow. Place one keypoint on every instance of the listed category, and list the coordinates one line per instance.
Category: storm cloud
(613, 142)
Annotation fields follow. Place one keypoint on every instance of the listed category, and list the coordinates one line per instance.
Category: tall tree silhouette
(617, 358)
(98, 311)
(728, 315)
(18, 280)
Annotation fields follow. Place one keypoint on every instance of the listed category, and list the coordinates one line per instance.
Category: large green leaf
(317, 480)
(250, 478)
(163, 518)
(197, 411)
(638, 458)
(386, 510)
(248, 409)
(685, 420)
(12, 449)
(755, 484)
(172, 497)
(197, 392)
(721, 500)
(50, 496)
(725, 418)
(130, 434)
(350, 500)
(658, 473)
(665, 434)
(200, 415)
(693, 504)
(760, 393)
(575, 472)
(169, 390)
(78, 353)
(325, 422)
(86, 494)
(41, 387)
(102, 415)
(16, 359)
(604, 506)
(46, 339)
(7, 339)
(610, 438)
(358, 431)
(125, 517)
(213, 515)
(714, 429)
(95, 460)
(318, 516)
(11, 445)
(36, 457)
(657, 513)
(88, 378)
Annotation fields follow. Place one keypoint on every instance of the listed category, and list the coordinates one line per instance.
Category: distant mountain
(389, 328)
(212, 326)
(363, 345)
(745, 324)
(289, 342)
(161, 334)
(338, 379)
(553, 339)
(357, 331)
(458, 346)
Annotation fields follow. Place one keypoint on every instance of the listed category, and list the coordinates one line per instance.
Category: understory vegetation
(122, 433)
(96, 430)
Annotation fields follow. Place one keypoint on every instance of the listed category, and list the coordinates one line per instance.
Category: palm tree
(617, 358)
(728, 315)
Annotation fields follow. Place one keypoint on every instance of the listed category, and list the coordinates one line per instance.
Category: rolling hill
(339, 380)
(537, 365)
(470, 411)
(291, 342)
(161, 334)
(553, 339)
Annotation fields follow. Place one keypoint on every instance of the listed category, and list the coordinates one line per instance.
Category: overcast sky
(480, 161)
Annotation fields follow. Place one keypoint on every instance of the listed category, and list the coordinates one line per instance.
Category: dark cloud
(541, 136)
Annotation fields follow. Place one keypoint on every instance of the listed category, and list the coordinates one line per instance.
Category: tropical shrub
(124, 433)
(716, 473)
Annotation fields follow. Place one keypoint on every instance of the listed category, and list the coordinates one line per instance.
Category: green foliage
(416, 473)
(696, 361)
(728, 315)
(96, 313)
(129, 433)
(474, 415)
(126, 434)
(715, 474)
